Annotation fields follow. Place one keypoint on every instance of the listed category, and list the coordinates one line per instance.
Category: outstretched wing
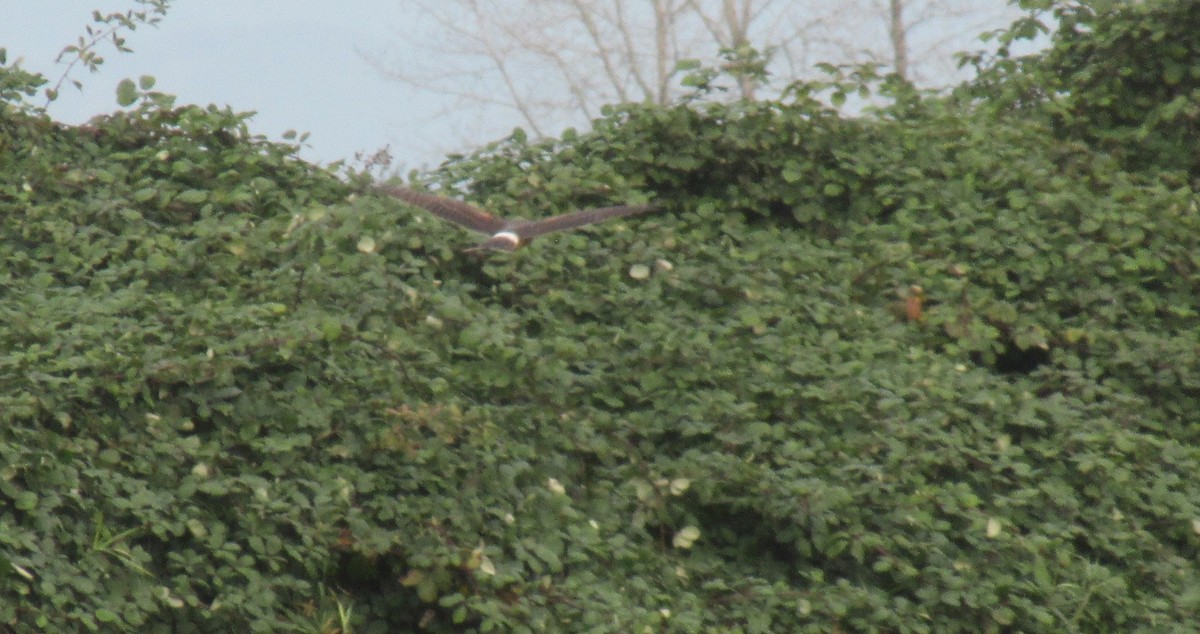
(455, 211)
(578, 219)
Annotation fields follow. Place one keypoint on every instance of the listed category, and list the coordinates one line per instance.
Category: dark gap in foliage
(1013, 360)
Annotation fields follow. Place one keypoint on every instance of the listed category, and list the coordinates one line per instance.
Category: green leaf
(127, 93)
(26, 501)
(192, 196)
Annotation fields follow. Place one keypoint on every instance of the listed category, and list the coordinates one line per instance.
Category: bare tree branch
(899, 37)
(584, 11)
(553, 62)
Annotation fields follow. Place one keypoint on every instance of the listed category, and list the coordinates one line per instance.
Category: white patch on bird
(508, 235)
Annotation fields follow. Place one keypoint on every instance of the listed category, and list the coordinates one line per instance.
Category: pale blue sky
(295, 62)
(292, 61)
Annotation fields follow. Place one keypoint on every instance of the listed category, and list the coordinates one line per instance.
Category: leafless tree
(559, 60)
(922, 35)
(553, 63)
(898, 37)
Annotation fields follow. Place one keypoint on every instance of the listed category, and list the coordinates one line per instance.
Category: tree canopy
(929, 368)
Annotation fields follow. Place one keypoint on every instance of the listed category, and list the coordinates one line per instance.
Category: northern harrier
(506, 235)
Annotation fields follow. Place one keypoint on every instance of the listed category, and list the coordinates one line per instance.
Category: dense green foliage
(931, 369)
(1124, 80)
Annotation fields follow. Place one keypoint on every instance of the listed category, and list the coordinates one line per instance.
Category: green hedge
(930, 369)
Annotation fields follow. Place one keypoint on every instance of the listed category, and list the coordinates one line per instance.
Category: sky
(301, 65)
(295, 62)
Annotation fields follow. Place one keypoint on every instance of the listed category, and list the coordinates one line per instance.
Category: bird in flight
(506, 235)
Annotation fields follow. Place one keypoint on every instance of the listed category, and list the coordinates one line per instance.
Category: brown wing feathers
(578, 219)
(455, 211)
